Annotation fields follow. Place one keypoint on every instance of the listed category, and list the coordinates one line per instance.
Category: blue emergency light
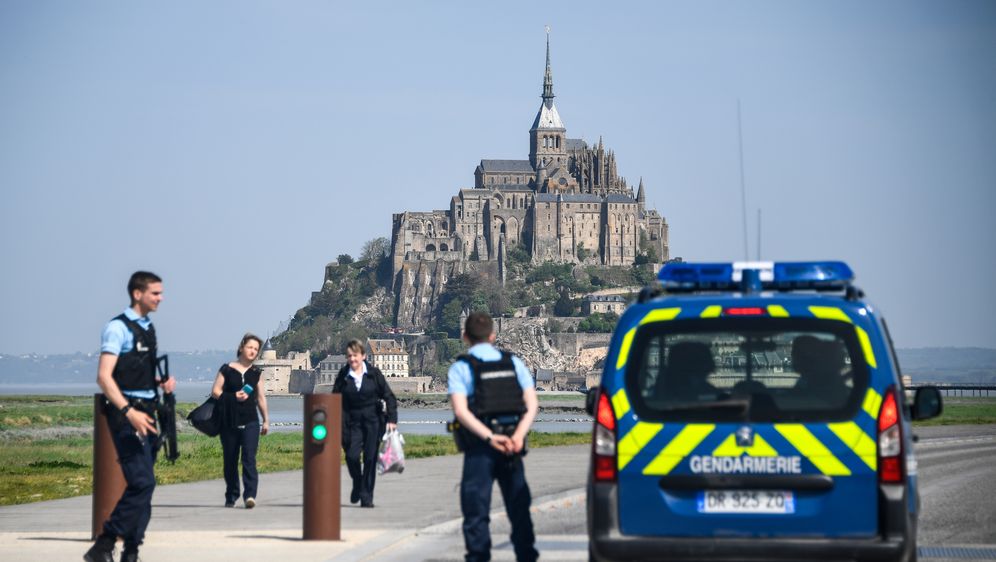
(777, 276)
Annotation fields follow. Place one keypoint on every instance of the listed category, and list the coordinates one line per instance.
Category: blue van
(753, 411)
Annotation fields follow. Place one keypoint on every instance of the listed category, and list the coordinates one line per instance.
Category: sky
(237, 147)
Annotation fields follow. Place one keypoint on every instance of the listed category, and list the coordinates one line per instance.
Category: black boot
(129, 554)
(102, 550)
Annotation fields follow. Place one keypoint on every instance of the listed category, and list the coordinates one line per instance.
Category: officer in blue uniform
(126, 373)
(494, 401)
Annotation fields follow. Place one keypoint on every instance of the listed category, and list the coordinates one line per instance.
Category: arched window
(430, 247)
(444, 248)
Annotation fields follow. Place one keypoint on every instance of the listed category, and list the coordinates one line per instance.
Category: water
(186, 391)
(287, 412)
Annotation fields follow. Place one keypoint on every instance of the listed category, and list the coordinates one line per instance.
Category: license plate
(746, 501)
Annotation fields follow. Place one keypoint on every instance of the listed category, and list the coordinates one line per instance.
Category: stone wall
(574, 342)
(301, 382)
(410, 384)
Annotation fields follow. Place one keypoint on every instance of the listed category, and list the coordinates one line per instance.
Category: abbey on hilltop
(566, 203)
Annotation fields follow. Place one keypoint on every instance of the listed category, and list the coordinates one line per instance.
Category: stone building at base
(290, 375)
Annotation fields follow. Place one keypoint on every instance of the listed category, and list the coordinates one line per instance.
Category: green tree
(374, 250)
(599, 322)
(344, 259)
(517, 254)
(582, 252)
(449, 319)
(461, 287)
(564, 305)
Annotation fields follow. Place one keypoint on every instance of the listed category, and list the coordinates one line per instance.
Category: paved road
(189, 521)
(417, 515)
(957, 469)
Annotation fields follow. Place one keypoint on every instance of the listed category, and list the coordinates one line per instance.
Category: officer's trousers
(233, 441)
(137, 457)
(482, 465)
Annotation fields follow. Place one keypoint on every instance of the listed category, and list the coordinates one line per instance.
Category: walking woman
(239, 396)
(363, 387)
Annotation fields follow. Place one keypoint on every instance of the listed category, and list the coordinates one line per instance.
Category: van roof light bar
(773, 276)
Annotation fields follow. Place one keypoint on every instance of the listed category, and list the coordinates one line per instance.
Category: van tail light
(604, 440)
(890, 441)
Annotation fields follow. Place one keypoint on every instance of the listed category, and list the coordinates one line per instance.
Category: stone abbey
(566, 203)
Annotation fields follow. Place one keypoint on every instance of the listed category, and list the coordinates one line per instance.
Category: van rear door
(746, 427)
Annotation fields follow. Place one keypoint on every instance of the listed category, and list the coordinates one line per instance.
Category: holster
(465, 439)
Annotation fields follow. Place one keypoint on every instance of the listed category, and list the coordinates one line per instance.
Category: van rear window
(746, 369)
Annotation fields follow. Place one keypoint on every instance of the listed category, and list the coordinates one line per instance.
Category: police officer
(126, 373)
(494, 401)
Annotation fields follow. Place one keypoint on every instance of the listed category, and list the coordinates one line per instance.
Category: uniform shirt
(358, 377)
(460, 379)
(117, 339)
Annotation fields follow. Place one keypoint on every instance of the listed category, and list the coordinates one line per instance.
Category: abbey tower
(566, 203)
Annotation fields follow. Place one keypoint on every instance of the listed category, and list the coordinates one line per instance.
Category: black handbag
(206, 418)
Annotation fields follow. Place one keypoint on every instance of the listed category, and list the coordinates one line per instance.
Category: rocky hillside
(420, 288)
(360, 299)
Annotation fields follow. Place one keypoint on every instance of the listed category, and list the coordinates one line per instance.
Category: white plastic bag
(392, 453)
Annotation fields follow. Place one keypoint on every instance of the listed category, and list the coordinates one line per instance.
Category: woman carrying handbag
(239, 395)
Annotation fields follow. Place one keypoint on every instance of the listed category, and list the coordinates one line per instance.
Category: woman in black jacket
(239, 395)
(363, 388)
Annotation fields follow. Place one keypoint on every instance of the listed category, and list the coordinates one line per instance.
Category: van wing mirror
(591, 399)
(927, 403)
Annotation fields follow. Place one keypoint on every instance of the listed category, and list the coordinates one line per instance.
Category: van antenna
(758, 234)
(743, 185)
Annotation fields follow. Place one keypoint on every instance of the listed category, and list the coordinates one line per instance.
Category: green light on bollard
(318, 429)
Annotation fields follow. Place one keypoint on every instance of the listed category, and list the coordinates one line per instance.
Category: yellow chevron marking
(624, 348)
(620, 403)
(859, 442)
(811, 448)
(873, 401)
(679, 447)
(660, 315)
(866, 346)
(777, 311)
(712, 311)
(729, 448)
(830, 313)
(635, 440)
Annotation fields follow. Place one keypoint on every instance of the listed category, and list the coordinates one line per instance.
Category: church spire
(548, 76)
(547, 137)
(641, 196)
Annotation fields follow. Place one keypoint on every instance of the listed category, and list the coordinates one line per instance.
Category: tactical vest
(496, 387)
(136, 369)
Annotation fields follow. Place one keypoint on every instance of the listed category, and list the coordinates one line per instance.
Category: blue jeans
(482, 465)
(137, 457)
(246, 440)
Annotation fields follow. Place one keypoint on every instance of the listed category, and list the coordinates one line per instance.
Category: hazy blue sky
(236, 147)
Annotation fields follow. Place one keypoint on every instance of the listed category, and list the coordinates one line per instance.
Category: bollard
(322, 486)
(108, 480)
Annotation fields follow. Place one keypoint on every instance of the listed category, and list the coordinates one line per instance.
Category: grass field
(959, 411)
(46, 452)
